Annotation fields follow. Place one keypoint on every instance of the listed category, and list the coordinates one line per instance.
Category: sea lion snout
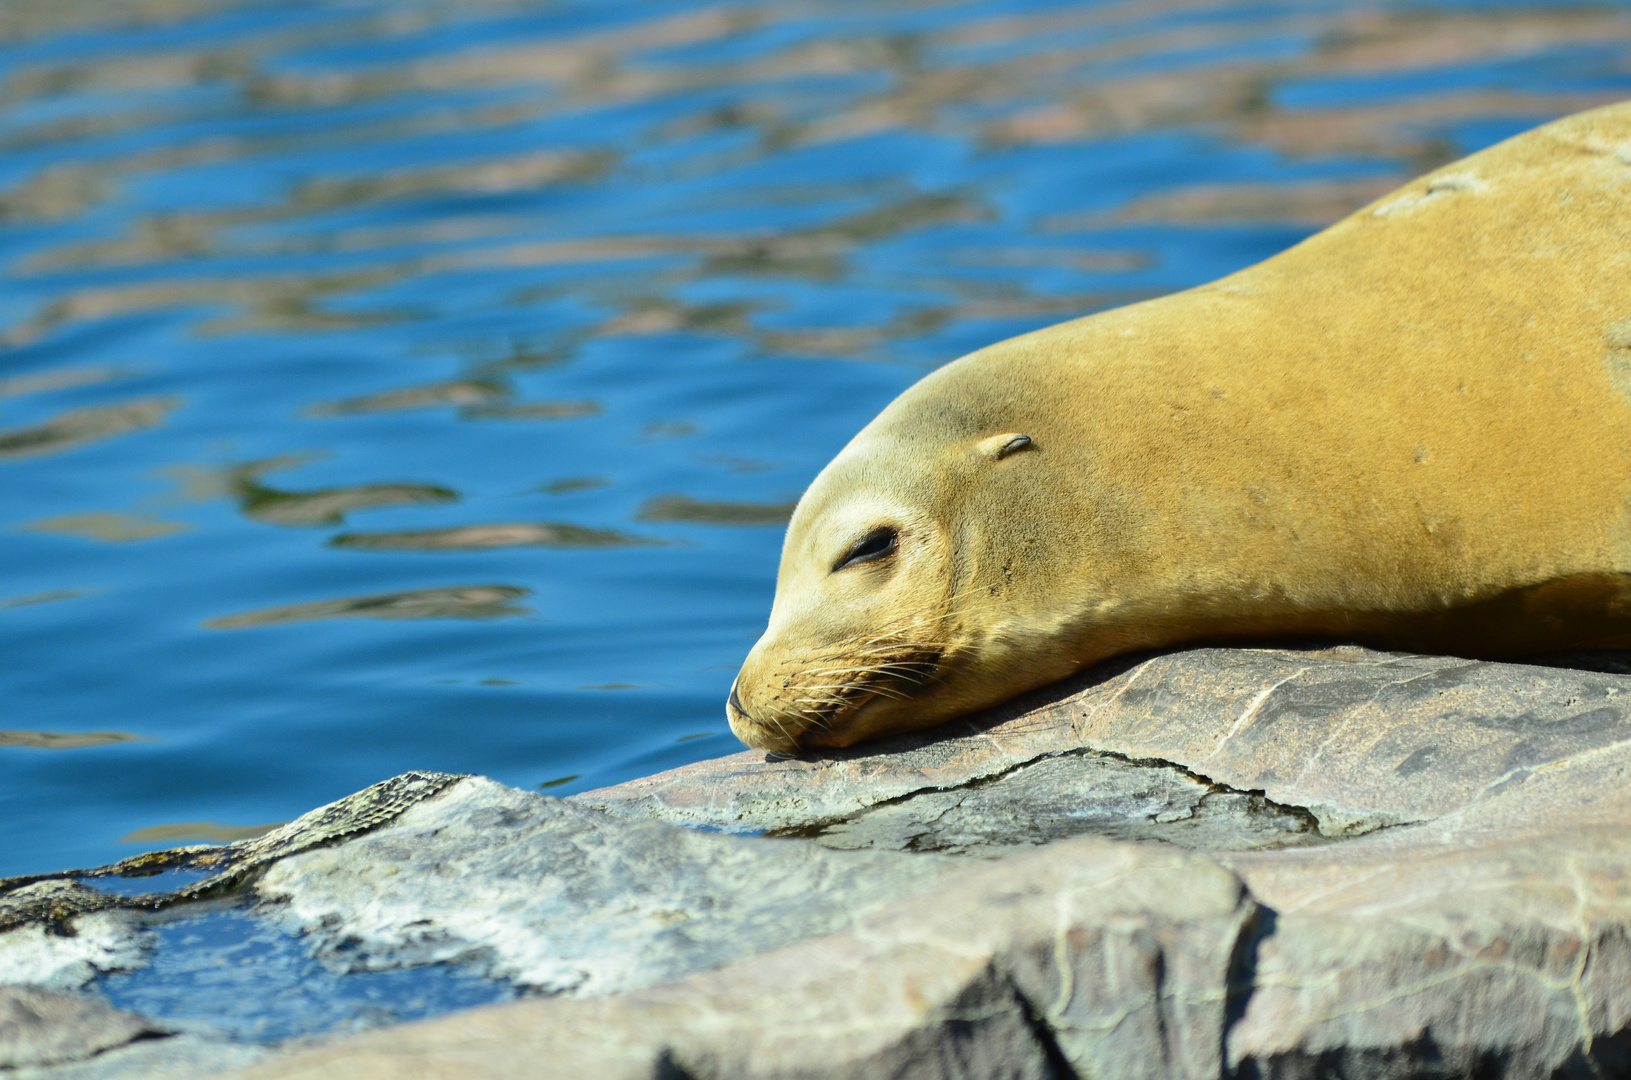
(770, 718)
(796, 701)
(752, 731)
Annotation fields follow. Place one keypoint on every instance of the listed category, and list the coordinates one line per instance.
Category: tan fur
(1411, 430)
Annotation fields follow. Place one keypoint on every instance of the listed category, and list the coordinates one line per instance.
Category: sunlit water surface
(400, 384)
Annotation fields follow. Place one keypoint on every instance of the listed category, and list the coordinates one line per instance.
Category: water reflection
(40, 382)
(548, 266)
(698, 512)
(329, 506)
(532, 410)
(40, 598)
(569, 485)
(109, 527)
(143, 884)
(208, 832)
(480, 400)
(66, 740)
(526, 172)
(1025, 79)
(80, 426)
(479, 537)
(260, 501)
(466, 602)
(456, 392)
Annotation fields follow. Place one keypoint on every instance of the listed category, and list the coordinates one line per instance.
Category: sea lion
(1411, 430)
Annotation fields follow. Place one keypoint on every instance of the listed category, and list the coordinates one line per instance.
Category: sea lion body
(1411, 430)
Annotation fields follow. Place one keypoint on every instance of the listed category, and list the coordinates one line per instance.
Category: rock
(1066, 795)
(515, 887)
(1349, 739)
(176, 1057)
(41, 1027)
(563, 899)
(48, 902)
(37, 954)
(1102, 959)
(1495, 940)
(1252, 863)
(201, 871)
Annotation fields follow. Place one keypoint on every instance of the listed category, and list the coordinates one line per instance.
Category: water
(221, 970)
(303, 299)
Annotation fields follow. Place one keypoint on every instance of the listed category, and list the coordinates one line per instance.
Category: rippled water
(417, 384)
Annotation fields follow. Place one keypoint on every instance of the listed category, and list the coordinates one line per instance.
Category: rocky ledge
(1254, 863)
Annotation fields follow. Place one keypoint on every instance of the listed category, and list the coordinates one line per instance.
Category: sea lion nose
(736, 703)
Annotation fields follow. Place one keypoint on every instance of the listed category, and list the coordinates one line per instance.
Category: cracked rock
(1348, 739)
(1069, 795)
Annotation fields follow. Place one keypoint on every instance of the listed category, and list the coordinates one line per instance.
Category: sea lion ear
(998, 447)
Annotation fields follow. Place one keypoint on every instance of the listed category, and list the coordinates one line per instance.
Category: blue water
(222, 969)
(294, 290)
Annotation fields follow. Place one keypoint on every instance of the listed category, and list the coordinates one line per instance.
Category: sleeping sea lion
(1411, 430)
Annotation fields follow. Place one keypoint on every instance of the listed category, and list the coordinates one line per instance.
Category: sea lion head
(899, 601)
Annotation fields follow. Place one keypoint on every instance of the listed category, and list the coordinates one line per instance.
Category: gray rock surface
(1067, 795)
(1495, 940)
(566, 900)
(41, 1027)
(1253, 863)
(175, 1057)
(1092, 958)
(40, 954)
(1353, 739)
(200, 871)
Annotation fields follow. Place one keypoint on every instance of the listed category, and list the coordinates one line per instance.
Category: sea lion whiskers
(873, 677)
(871, 664)
(884, 639)
(874, 663)
(780, 728)
(875, 689)
(920, 670)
